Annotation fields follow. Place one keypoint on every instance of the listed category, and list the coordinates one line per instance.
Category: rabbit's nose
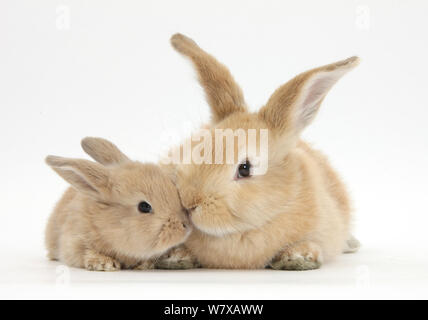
(190, 198)
(191, 210)
(187, 226)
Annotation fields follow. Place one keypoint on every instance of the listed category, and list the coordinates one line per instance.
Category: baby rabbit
(117, 214)
(294, 216)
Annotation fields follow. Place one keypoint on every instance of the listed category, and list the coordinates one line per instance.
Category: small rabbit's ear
(86, 176)
(294, 105)
(103, 151)
(223, 94)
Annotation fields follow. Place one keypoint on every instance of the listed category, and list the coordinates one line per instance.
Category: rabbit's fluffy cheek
(211, 223)
(214, 218)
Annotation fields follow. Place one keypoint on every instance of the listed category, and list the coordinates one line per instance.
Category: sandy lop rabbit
(117, 214)
(297, 214)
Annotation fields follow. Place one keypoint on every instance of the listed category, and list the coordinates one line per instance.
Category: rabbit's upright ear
(223, 94)
(103, 151)
(86, 176)
(294, 105)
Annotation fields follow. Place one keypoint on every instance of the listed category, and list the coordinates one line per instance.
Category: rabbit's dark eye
(144, 207)
(244, 169)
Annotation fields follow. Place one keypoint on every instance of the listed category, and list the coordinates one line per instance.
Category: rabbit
(117, 213)
(295, 216)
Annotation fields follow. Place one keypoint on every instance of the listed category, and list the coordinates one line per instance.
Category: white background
(70, 69)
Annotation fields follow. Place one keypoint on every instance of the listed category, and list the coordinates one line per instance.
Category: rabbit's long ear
(223, 94)
(103, 151)
(294, 105)
(86, 176)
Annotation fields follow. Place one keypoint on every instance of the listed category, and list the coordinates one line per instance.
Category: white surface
(112, 73)
(370, 274)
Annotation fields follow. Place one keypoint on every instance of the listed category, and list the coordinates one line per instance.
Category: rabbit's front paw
(145, 265)
(94, 261)
(177, 258)
(301, 256)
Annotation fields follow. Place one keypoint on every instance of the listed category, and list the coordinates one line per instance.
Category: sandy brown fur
(96, 225)
(297, 215)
